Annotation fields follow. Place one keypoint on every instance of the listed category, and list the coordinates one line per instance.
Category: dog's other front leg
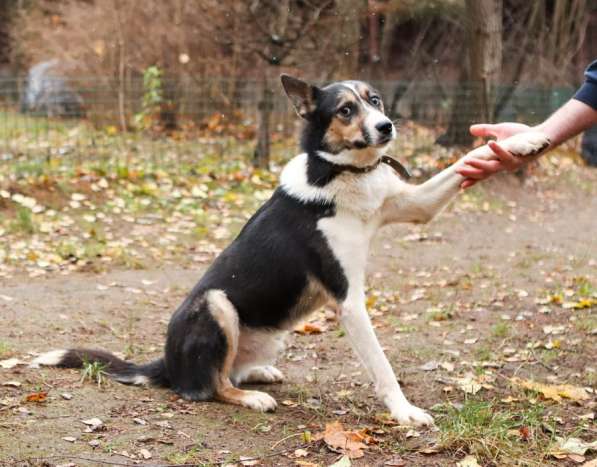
(356, 322)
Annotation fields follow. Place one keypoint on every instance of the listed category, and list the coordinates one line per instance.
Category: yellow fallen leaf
(585, 303)
(554, 391)
(371, 301)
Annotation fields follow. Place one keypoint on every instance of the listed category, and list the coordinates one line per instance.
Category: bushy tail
(118, 369)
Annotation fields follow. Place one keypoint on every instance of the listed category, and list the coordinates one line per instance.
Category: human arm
(578, 114)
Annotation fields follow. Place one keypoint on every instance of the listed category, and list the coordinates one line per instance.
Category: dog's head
(345, 120)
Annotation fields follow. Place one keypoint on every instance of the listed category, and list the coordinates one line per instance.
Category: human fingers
(471, 172)
(490, 167)
(468, 183)
(509, 161)
(483, 130)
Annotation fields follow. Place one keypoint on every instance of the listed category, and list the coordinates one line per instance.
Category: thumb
(483, 130)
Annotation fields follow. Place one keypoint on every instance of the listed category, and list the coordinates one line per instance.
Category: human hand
(477, 169)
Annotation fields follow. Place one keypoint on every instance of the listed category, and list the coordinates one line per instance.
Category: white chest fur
(358, 199)
(358, 195)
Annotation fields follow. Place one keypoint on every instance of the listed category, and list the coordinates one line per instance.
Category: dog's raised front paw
(411, 415)
(526, 144)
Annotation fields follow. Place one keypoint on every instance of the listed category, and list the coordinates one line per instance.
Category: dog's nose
(385, 128)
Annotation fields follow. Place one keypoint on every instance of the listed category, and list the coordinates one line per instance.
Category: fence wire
(94, 118)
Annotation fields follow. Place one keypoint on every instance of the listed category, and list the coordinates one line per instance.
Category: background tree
(483, 59)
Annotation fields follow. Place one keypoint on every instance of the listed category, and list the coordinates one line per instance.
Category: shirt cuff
(588, 94)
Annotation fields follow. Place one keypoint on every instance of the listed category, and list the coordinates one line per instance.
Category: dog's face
(344, 116)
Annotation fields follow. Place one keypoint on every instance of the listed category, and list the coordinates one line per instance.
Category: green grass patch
(494, 433)
(484, 353)
(501, 330)
(587, 324)
(94, 372)
(23, 222)
(5, 349)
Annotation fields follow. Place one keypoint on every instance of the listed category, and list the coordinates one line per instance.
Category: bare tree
(269, 32)
(478, 79)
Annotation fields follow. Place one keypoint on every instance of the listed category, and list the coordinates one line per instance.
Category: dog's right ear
(302, 95)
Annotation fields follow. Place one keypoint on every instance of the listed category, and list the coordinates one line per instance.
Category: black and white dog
(306, 246)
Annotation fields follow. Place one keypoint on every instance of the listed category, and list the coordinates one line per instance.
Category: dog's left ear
(302, 95)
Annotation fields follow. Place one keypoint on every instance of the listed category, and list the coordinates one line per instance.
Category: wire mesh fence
(95, 118)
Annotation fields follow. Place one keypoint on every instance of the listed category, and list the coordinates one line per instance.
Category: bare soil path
(475, 292)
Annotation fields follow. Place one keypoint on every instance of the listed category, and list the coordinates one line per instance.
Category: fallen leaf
(468, 461)
(301, 453)
(395, 462)
(430, 450)
(93, 424)
(351, 443)
(37, 397)
(585, 303)
(248, 461)
(429, 366)
(12, 384)
(468, 384)
(554, 392)
(525, 433)
(343, 462)
(553, 330)
(572, 448)
(308, 328)
(447, 366)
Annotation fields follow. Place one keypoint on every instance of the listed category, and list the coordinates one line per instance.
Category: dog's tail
(154, 373)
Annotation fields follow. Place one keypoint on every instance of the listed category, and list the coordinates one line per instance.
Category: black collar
(396, 165)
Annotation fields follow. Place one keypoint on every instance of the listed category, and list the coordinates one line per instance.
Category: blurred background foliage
(440, 63)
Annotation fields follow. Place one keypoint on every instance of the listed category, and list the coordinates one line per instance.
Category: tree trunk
(485, 39)
(347, 36)
(474, 100)
(262, 150)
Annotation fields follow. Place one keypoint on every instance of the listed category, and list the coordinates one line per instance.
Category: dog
(305, 247)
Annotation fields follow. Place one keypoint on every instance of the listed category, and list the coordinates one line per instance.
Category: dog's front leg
(356, 322)
(421, 203)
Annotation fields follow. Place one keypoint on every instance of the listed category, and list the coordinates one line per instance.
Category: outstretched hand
(478, 169)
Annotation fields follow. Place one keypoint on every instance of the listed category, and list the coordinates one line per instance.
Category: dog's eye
(375, 100)
(345, 111)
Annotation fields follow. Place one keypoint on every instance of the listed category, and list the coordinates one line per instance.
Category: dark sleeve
(588, 91)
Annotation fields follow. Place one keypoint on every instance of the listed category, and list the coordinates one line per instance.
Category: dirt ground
(465, 294)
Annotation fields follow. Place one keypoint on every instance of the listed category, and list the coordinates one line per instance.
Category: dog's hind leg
(257, 352)
(227, 318)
